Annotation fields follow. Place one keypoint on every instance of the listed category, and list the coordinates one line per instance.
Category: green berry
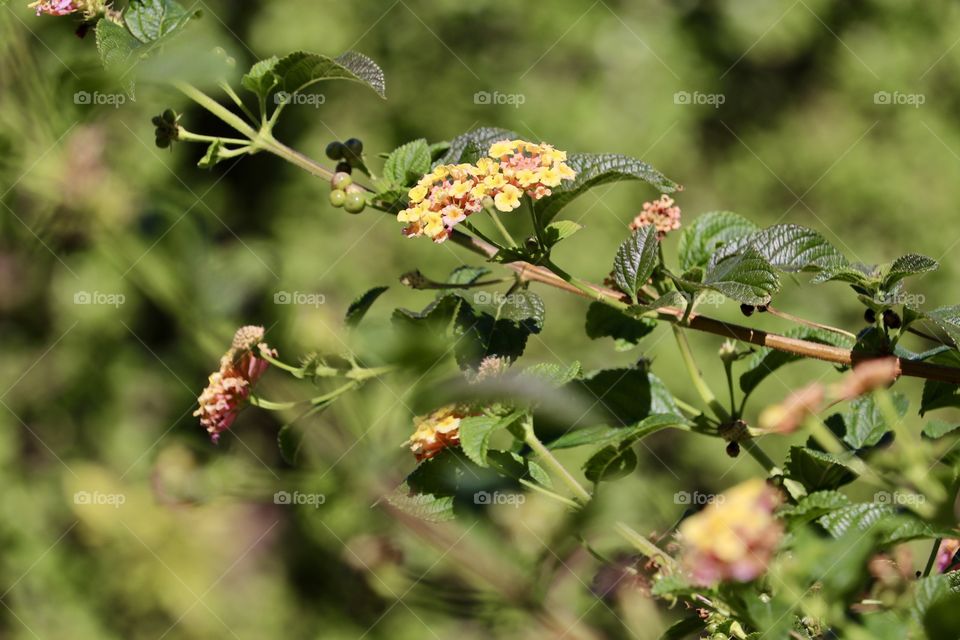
(336, 150)
(355, 202)
(354, 188)
(341, 180)
(337, 197)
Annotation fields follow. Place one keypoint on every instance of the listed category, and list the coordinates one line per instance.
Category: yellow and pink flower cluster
(436, 431)
(89, 8)
(450, 193)
(735, 536)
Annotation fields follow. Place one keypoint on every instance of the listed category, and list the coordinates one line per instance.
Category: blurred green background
(120, 519)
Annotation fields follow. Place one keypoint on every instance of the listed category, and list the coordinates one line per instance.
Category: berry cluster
(349, 154)
(344, 193)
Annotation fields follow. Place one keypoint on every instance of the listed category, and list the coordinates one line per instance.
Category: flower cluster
(735, 536)
(89, 8)
(948, 555)
(436, 431)
(229, 388)
(661, 213)
(448, 194)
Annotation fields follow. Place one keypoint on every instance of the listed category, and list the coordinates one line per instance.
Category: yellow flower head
(436, 431)
(508, 199)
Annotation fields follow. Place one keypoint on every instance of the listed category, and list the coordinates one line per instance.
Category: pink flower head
(229, 388)
(660, 213)
(55, 7)
(947, 559)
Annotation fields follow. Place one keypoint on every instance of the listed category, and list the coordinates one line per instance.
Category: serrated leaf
(948, 319)
(289, 440)
(709, 232)
(908, 265)
(766, 361)
(636, 260)
(151, 20)
(595, 169)
(865, 424)
(813, 506)
(604, 321)
(407, 163)
(425, 506)
(669, 299)
(466, 275)
(298, 71)
(939, 428)
(560, 230)
(359, 307)
(858, 274)
(476, 431)
(892, 526)
(792, 248)
(746, 277)
(554, 375)
(817, 470)
(481, 138)
(261, 79)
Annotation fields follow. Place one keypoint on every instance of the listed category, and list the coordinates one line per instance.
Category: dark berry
(762, 308)
(746, 309)
(733, 449)
(531, 243)
(344, 167)
(169, 116)
(354, 146)
(891, 320)
(336, 150)
(870, 316)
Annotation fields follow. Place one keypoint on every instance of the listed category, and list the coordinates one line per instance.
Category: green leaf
(746, 277)
(481, 138)
(908, 265)
(261, 79)
(151, 20)
(765, 361)
(865, 424)
(552, 374)
(860, 275)
(817, 470)
(704, 236)
(298, 71)
(610, 463)
(636, 260)
(560, 230)
(289, 440)
(627, 396)
(682, 628)
(814, 506)
(939, 428)
(594, 170)
(466, 275)
(407, 163)
(359, 307)
(524, 307)
(212, 156)
(425, 506)
(892, 526)
(792, 248)
(605, 321)
(476, 431)
(513, 465)
(602, 435)
(948, 319)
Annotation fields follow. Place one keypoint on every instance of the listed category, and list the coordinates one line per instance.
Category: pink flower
(229, 388)
(55, 7)
(947, 555)
(661, 213)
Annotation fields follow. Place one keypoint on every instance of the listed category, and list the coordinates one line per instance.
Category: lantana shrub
(786, 554)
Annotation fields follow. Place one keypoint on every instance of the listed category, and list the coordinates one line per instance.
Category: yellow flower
(504, 148)
(508, 199)
(417, 194)
(526, 177)
(459, 189)
(436, 431)
(550, 177)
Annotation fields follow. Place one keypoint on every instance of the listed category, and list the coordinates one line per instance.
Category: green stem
(933, 556)
(548, 458)
(237, 101)
(216, 109)
(551, 494)
(189, 136)
(586, 288)
(646, 547)
(498, 223)
(696, 377)
(758, 454)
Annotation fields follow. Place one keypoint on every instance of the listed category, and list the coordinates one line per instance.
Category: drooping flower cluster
(450, 193)
(660, 213)
(89, 8)
(734, 537)
(948, 555)
(229, 388)
(436, 431)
